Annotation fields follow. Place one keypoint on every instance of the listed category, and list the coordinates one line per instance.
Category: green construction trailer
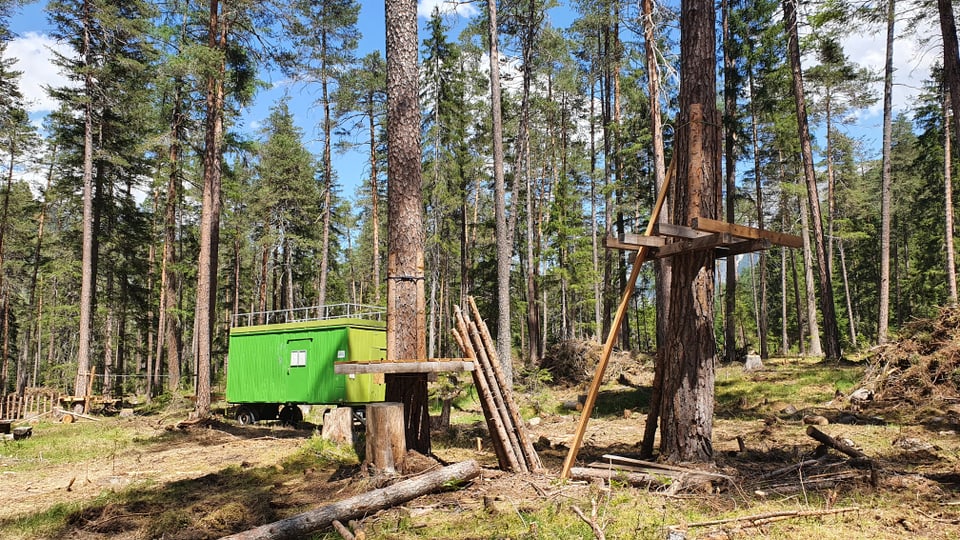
(282, 359)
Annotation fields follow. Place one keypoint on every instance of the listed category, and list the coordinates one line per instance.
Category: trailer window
(298, 358)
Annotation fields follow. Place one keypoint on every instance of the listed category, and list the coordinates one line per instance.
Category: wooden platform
(432, 365)
(726, 239)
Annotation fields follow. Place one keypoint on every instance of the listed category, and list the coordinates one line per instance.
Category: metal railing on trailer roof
(313, 313)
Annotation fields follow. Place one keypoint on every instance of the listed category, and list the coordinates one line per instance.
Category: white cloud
(461, 8)
(912, 63)
(34, 54)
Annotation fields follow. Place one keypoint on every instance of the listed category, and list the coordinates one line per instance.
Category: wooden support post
(614, 331)
(338, 425)
(87, 398)
(386, 439)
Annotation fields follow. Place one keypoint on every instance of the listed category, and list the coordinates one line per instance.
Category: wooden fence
(33, 402)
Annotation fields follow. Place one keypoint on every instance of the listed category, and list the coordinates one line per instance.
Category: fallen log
(839, 446)
(633, 478)
(303, 524)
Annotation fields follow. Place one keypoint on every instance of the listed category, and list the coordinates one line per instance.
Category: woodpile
(511, 443)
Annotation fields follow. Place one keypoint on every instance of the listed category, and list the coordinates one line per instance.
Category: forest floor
(144, 477)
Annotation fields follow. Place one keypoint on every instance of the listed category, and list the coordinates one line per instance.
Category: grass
(240, 496)
(66, 443)
(796, 382)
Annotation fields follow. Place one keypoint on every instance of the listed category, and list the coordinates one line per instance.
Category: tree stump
(338, 425)
(386, 440)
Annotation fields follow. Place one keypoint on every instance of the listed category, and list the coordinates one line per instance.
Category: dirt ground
(197, 453)
(206, 481)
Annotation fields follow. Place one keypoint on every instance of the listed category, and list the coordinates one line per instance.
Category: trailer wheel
(291, 415)
(245, 416)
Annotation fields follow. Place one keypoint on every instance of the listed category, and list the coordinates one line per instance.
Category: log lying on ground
(633, 478)
(835, 444)
(303, 524)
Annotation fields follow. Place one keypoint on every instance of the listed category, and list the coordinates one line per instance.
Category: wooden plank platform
(631, 241)
(432, 365)
(778, 238)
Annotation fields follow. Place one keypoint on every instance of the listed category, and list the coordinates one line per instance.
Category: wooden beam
(420, 366)
(744, 246)
(714, 226)
(677, 231)
(615, 330)
(702, 243)
(632, 242)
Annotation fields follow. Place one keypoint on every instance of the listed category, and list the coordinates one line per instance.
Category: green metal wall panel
(293, 363)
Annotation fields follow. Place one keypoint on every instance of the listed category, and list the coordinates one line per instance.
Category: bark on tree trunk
(88, 279)
(686, 411)
(406, 321)
(951, 57)
(816, 348)
(948, 201)
(327, 176)
(886, 173)
(386, 445)
(374, 201)
(764, 307)
(730, 175)
(504, 247)
(209, 216)
(662, 266)
(830, 330)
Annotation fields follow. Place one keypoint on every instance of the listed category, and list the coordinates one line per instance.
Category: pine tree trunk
(686, 411)
(951, 57)
(830, 331)
(816, 347)
(886, 173)
(375, 200)
(504, 246)
(533, 310)
(36, 300)
(764, 306)
(948, 202)
(168, 328)
(662, 266)
(846, 292)
(327, 175)
(210, 216)
(88, 277)
(615, 53)
(730, 174)
(406, 322)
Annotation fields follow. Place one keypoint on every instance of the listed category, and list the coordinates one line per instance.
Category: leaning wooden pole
(526, 446)
(614, 330)
(498, 432)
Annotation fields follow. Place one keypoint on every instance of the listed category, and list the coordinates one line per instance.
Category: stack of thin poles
(511, 443)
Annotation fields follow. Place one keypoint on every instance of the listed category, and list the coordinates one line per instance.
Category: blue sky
(33, 45)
